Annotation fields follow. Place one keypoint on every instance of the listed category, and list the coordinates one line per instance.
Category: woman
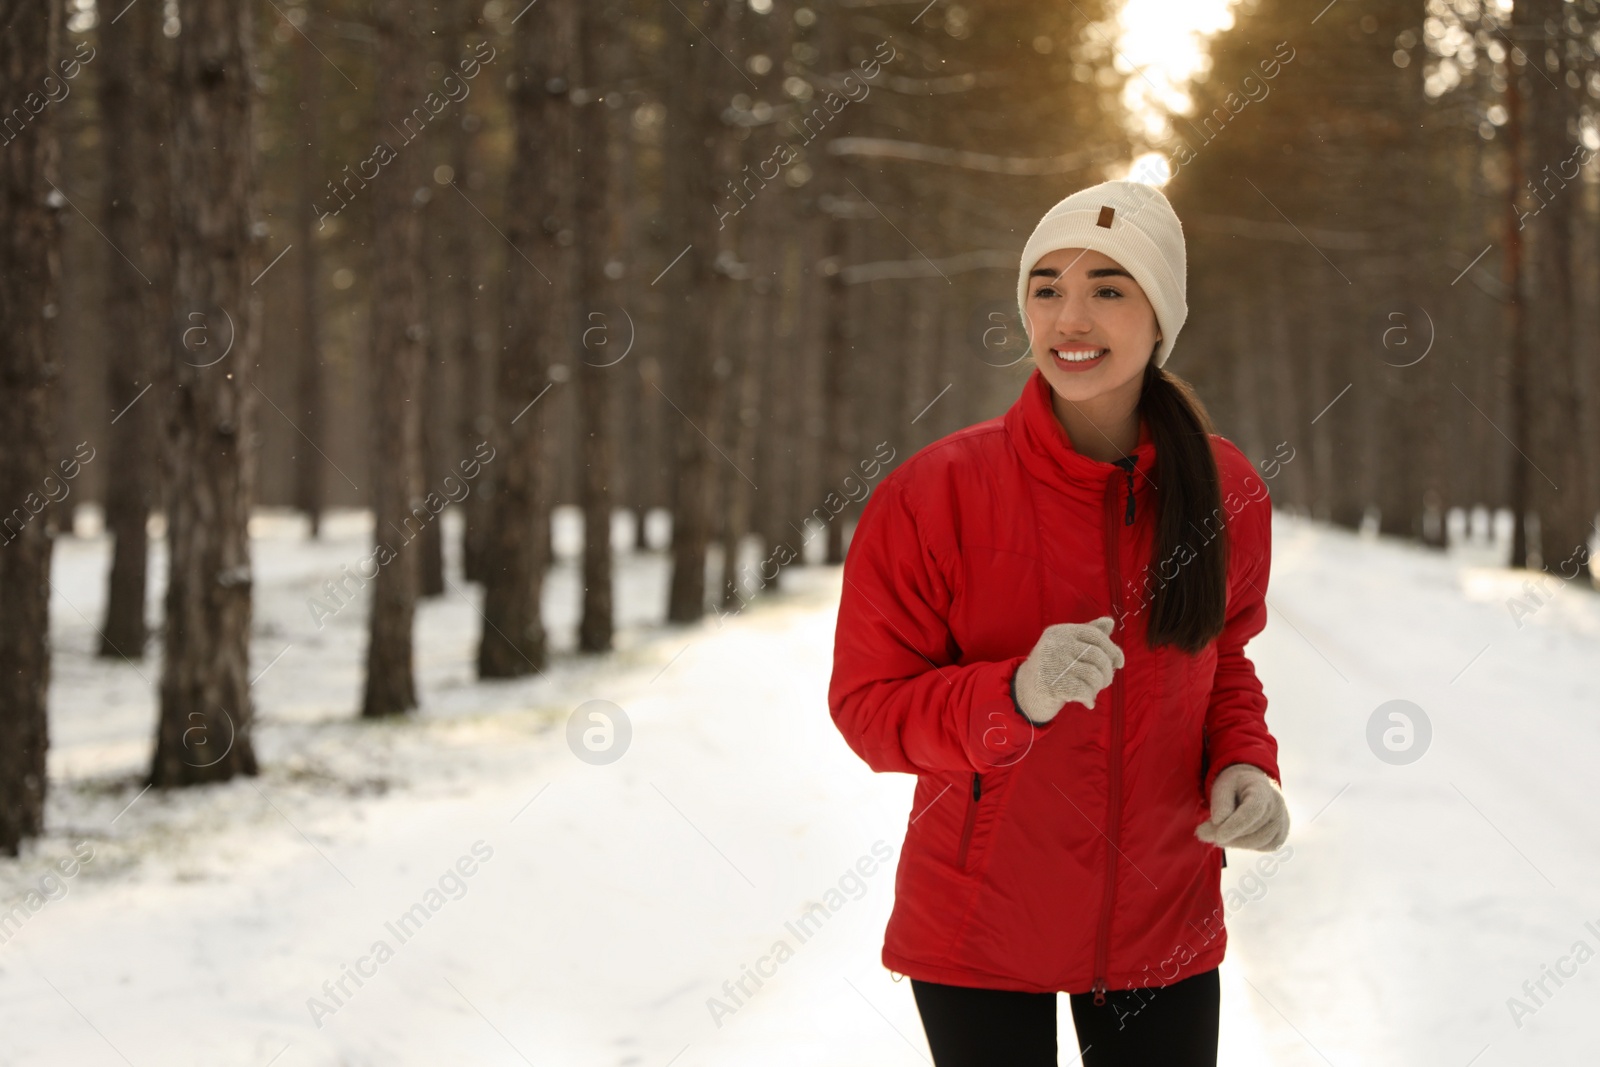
(1044, 618)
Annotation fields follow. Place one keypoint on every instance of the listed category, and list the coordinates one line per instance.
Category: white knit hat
(1133, 224)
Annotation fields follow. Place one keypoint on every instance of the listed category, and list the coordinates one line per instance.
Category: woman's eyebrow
(1097, 272)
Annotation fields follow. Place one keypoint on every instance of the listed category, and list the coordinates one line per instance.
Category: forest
(702, 272)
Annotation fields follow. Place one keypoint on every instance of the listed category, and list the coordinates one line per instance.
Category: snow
(616, 899)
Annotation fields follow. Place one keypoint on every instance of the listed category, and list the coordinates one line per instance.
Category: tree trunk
(1517, 367)
(537, 315)
(204, 732)
(1559, 487)
(701, 154)
(463, 343)
(397, 355)
(30, 251)
(600, 216)
(309, 481)
(134, 122)
(432, 464)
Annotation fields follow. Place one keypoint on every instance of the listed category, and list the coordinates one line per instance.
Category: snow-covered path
(576, 914)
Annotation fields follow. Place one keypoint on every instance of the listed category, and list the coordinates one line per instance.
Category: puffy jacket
(1059, 857)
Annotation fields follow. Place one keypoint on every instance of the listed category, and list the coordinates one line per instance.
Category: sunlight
(1165, 41)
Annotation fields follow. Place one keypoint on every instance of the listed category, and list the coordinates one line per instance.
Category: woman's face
(1081, 303)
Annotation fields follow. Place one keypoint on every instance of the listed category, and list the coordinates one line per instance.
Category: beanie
(1135, 225)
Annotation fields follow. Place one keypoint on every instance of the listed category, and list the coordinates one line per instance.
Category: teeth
(1079, 355)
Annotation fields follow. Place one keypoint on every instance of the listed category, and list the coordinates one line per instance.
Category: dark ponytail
(1185, 585)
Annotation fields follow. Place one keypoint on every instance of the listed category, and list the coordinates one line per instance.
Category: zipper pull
(1127, 464)
(1099, 992)
(977, 785)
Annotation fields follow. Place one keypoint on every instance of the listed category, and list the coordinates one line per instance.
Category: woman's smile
(1078, 357)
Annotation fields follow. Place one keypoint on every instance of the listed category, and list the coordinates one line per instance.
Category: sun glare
(1165, 41)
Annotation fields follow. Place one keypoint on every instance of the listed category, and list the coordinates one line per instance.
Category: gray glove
(1071, 661)
(1247, 811)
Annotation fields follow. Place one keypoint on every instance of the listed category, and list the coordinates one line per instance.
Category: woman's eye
(1044, 290)
(1106, 290)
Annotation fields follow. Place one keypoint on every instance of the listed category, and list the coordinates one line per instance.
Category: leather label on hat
(1106, 213)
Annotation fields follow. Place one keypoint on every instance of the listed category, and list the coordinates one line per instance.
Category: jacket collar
(1047, 452)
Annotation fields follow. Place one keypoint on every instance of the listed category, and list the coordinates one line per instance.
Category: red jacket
(1059, 857)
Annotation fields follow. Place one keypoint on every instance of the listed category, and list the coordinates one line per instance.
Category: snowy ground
(607, 903)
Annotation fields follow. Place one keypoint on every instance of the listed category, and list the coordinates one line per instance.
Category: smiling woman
(997, 557)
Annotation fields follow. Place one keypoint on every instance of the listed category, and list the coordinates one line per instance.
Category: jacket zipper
(1102, 950)
(1127, 517)
(972, 817)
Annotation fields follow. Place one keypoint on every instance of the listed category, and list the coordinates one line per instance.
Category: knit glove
(1247, 811)
(1071, 661)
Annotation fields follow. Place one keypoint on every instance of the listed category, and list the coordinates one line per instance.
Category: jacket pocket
(971, 820)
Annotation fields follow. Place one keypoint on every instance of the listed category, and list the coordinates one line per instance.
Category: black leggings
(1163, 1026)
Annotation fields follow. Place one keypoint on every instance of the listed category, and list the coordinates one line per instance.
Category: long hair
(1189, 570)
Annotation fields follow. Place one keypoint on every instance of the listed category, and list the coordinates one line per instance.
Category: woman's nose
(1072, 315)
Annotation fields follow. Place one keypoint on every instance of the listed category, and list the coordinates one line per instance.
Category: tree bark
(433, 464)
(135, 120)
(536, 308)
(204, 731)
(701, 154)
(1559, 489)
(30, 252)
(397, 354)
(310, 484)
(1516, 367)
(462, 344)
(600, 218)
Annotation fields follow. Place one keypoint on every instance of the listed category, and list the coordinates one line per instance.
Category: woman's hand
(1071, 661)
(1247, 811)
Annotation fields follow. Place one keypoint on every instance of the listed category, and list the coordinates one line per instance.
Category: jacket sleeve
(1236, 716)
(898, 694)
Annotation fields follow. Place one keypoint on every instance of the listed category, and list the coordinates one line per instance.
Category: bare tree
(310, 490)
(398, 337)
(136, 121)
(537, 310)
(204, 732)
(30, 267)
(601, 218)
(1560, 493)
(701, 155)
(1516, 365)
